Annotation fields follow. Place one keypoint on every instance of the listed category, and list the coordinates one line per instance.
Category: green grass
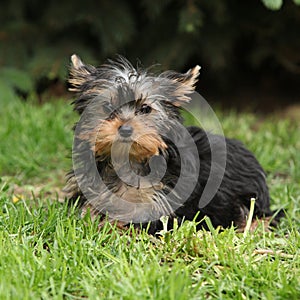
(35, 140)
(49, 252)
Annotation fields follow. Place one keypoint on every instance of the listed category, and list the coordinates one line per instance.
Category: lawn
(48, 252)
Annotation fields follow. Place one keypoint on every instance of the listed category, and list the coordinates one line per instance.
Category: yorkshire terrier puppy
(134, 161)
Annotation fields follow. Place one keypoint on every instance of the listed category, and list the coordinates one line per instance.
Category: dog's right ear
(79, 74)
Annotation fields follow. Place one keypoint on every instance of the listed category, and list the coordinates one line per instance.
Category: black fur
(243, 177)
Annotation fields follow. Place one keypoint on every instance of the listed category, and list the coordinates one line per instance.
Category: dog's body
(130, 120)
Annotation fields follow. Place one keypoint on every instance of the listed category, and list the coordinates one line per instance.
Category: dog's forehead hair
(126, 95)
(122, 94)
(127, 83)
(118, 82)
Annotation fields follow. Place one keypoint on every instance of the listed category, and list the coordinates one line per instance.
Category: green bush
(227, 37)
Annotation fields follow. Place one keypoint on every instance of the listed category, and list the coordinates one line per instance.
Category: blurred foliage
(276, 4)
(227, 37)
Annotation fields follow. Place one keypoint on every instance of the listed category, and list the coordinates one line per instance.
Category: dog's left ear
(183, 84)
(80, 73)
(186, 87)
(190, 78)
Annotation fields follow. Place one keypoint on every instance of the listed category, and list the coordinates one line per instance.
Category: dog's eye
(108, 108)
(145, 109)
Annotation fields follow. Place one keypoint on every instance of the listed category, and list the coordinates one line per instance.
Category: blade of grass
(250, 217)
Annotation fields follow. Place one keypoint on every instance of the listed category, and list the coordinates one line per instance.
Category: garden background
(250, 57)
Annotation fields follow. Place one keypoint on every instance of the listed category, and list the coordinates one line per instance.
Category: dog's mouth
(124, 148)
(126, 140)
(137, 147)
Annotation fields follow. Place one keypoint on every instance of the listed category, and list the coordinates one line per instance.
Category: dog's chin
(125, 141)
(128, 147)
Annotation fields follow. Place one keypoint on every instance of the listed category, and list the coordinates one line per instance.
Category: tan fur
(136, 195)
(78, 73)
(187, 85)
(145, 141)
(106, 135)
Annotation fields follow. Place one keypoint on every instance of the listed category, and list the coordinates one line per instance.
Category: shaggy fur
(130, 111)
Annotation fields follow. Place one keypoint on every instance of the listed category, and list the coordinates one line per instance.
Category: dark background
(249, 50)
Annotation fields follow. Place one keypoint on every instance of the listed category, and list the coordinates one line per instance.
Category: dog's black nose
(125, 130)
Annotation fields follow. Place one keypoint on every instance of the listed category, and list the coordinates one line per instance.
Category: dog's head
(125, 106)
